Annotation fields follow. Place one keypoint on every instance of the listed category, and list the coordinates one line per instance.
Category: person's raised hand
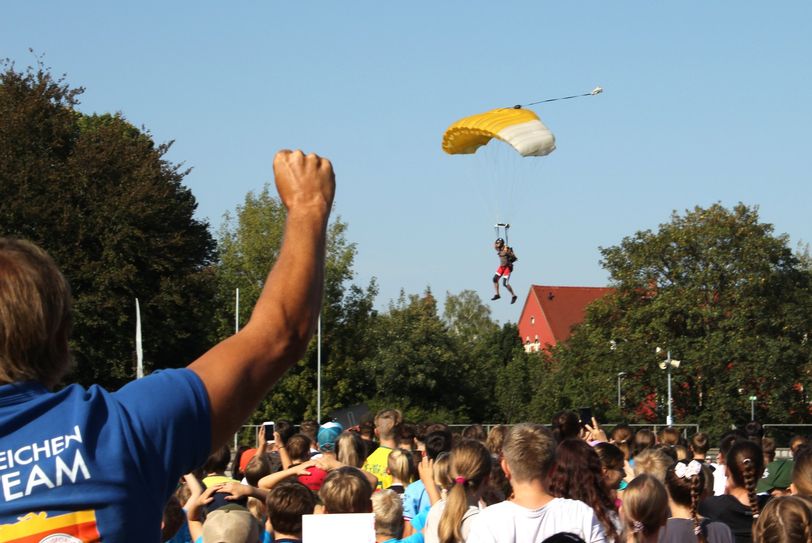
(594, 432)
(425, 469)
(304, 182)
(236, 491)
(197, 505)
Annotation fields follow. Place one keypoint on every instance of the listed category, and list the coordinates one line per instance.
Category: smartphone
(269, 430)
(585, 415)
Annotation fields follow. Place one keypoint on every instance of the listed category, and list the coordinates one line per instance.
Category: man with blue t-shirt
(90, 465)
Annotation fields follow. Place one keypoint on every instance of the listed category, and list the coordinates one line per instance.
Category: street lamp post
(753, 407)
(620, 376)
(667, 364)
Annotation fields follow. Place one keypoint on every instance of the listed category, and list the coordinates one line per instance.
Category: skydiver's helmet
(499, 242)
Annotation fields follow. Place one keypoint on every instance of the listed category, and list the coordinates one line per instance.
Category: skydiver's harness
(511, 255)
(506, 256)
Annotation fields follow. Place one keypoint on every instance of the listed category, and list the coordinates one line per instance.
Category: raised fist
(304, 182)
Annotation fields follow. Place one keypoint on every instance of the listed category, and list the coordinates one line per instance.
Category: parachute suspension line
(594, 92)
(504, 226)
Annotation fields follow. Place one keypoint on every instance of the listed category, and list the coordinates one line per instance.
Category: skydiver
(506, 259)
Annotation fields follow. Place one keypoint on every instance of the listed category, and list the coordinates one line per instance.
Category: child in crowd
(389, 523)
(449, 520)
(740, 506)
(786, 519)
(346, 490)
(645, 509)
(400, 468)
(533, 514)
(699, 446)
(643, 439)
(613, 469)
(286, 503)
(350, 449)
(802, 472)
(437, 481)
(577, 474)
(386, 421)
(416, 500)
(621, 437)
(231, 522)
(653, 461)
(216, 466)
(686, 483)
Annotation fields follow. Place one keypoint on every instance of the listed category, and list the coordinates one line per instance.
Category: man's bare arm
(239, 371)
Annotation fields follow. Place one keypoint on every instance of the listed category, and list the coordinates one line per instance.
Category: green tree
(481, 349)
(249, 244)
(515, 384)
(467, 317)
(98, 194)
(416, 366)
(725, 295)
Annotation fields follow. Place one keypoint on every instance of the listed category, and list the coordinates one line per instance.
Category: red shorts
(503, 271)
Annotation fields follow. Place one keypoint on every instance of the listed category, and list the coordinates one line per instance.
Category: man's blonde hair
(529, 450)
(388, 509)
(35, 315)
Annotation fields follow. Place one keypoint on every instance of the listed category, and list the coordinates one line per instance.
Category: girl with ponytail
(645, 509)
(449, 519)
(686, 483)
(740, 507)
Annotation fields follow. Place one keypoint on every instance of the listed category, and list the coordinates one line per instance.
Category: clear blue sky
(703, 102)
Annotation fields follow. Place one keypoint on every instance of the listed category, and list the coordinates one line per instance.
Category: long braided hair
(745, 462)
(685, 482)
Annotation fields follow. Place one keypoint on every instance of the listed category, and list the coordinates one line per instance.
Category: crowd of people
(149, 462)
(567, 481)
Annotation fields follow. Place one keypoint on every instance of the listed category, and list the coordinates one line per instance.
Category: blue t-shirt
(98, 465)
(414, 538)
(415, 500)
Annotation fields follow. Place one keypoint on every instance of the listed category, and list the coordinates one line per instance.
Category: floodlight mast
(667, 364)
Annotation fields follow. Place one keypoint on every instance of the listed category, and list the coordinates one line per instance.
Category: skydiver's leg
(496, 286)
(510, 289)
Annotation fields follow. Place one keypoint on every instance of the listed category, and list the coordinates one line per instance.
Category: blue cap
(327, 436)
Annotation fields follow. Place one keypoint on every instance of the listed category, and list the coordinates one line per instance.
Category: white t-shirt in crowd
(719, 479)
(431, 534)
(507, 522)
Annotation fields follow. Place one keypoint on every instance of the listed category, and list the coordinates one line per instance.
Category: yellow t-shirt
(212, 480)
(376, 464)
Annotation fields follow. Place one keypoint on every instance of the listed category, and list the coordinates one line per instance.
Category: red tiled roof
(564, 307)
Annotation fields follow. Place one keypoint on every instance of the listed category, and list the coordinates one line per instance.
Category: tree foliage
(99, 196)
(719, 290)
(249, 242)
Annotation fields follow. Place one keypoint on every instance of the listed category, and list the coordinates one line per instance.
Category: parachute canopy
(520, 128)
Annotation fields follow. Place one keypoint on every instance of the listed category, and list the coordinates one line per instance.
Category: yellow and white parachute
(519, 133)
(520, 128)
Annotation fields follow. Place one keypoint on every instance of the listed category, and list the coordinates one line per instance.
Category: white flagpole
(237, 313)
(139, 351)
(318, 373)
